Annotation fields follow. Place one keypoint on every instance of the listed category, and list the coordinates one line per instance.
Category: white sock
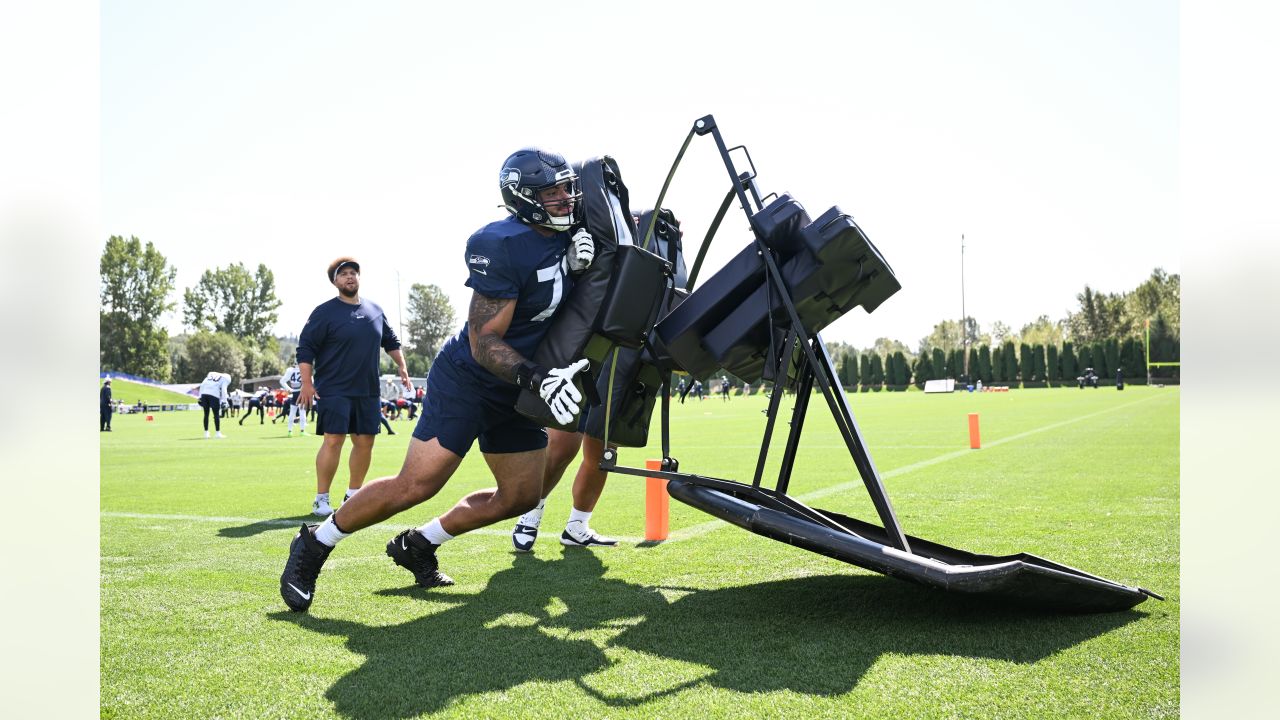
(433, 532)
(350, 492)
(328, 533)
(579, 516)
(534, 516)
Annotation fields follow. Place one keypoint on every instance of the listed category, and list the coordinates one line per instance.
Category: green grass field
(714, 623)
(130, 392)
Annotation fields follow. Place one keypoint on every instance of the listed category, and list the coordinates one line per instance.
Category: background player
(292, 381)
(213, 393)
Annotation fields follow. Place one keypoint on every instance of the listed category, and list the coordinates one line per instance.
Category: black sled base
(1021, 579)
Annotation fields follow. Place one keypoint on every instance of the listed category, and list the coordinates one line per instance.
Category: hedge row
(1007, 364)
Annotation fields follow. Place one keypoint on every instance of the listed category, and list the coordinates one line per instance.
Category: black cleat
(579, 534)
(416, 554)
(306, 557)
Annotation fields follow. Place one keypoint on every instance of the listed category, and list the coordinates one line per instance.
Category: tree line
(228, 319)
(1012, 364)
(1106, 332)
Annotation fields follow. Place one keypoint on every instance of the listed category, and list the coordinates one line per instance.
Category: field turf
(714, 623)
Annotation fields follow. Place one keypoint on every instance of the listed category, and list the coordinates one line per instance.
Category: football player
(520, 267)
(213, 392)
(292, 381)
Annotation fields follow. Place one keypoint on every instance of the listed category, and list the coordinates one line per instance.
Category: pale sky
(291, 133)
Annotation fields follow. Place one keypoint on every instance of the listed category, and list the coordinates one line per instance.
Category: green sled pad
(1021, 579)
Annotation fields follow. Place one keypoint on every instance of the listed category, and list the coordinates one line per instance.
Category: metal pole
(399, 307)
(964, 335)
(1146, 350)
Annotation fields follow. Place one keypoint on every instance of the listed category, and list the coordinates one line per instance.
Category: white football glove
(582, 250)
(558, 392)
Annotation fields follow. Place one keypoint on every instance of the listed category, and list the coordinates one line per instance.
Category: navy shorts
(459, 409)
(339, 415)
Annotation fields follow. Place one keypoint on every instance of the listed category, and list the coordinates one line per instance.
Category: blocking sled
(759, 317)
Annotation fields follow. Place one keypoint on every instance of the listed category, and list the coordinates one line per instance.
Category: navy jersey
(341, 342)
(508, 259)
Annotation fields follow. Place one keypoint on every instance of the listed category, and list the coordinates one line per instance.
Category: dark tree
(1068, 361)
(1010, 355)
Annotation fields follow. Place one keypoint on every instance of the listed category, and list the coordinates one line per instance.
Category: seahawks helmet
(525, 173)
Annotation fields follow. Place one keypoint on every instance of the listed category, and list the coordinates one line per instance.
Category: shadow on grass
(815, 635)
(261, 526)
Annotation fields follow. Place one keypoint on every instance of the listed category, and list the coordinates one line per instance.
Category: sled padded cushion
(606, 213)
(832, 267)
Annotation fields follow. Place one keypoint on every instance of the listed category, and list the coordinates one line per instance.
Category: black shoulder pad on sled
(606, 213)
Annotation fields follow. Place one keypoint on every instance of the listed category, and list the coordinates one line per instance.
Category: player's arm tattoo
(487, 327)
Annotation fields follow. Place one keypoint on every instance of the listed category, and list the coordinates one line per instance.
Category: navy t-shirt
(508, 259)
(341, 342)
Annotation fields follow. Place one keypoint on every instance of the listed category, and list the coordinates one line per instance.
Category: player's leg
(519, 478)
(455, 413)
(327, 459)
(588, 485)
(358, 460)
(562, 448)
(427, 467)
(424, 472)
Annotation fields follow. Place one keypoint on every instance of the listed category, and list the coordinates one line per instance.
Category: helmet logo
(509, 177)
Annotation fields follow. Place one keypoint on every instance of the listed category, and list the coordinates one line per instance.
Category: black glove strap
(529, 375)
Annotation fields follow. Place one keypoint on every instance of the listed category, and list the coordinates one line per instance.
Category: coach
(340, 345)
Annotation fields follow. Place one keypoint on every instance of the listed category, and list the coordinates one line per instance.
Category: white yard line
(496, 531)
(693, 530)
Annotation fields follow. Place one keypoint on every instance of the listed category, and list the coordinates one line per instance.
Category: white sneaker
(577, 534)
(522, 537)
(220, 434)
(206, 434)
(321, 508)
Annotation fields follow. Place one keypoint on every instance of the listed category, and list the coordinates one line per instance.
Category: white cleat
(321, 508)
(220, 434)
(206, 434)
(522, 537)
(577, 534)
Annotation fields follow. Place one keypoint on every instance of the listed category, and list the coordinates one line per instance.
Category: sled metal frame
(771, 512)
(813, 365)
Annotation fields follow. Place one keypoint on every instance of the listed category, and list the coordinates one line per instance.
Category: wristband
(529, 375)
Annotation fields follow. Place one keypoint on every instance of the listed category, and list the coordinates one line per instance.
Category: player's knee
(521, 500)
